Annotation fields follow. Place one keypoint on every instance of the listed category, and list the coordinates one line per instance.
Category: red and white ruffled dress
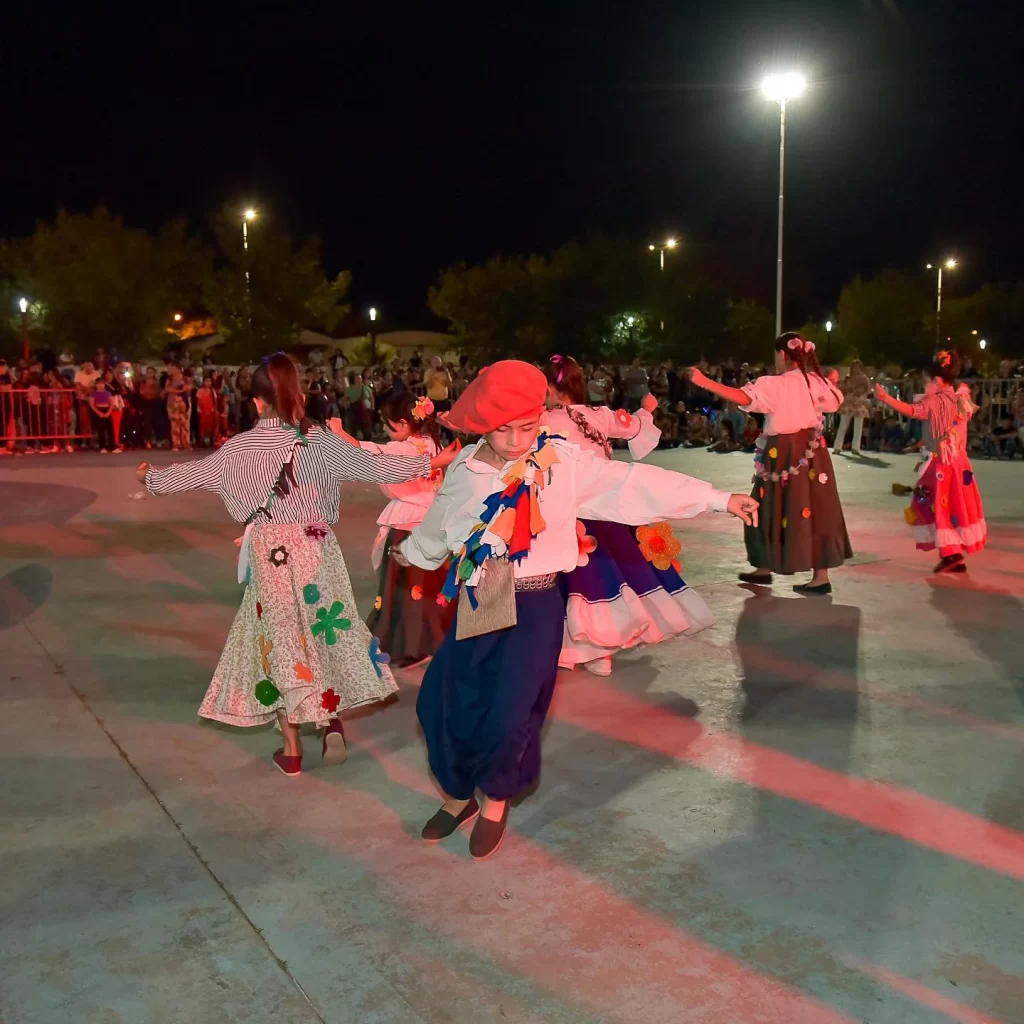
(946, 511)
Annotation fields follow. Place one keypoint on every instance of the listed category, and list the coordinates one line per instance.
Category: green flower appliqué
(311, 593)
(330, 623)
(267, 693)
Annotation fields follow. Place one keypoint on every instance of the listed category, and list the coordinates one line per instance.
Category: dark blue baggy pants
(483, 700)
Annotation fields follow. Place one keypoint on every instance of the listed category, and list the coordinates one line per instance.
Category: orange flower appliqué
(625, 420)
(303, 672)
(417, 593)
(379, 603)
(807, 513)
(658, 544)
(587, 544)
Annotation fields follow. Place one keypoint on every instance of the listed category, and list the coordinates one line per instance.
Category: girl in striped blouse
(297, 650)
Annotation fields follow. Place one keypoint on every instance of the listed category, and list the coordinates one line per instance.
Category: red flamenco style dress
(946, 511)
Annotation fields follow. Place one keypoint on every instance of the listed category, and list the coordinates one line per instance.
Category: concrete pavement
(812, 812)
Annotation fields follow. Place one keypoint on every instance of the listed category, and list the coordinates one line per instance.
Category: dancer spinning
(507, 511)
(946, 511)
(406, 616)
(801, 523)
(626, 589)
(297, 650)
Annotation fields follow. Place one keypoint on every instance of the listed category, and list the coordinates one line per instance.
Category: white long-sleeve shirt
(411, 499)
(582, 485)
(243, 472)
(636, 428)
(791, 401)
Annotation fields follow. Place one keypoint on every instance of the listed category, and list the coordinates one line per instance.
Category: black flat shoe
(442, 825)
(951, 563)
(761, 579)
(487, 836)
(806, 588)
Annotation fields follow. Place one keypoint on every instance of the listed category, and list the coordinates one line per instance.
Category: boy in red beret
(506, 515)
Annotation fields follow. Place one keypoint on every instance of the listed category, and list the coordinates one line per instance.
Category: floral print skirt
(800, 519)
(297, 643)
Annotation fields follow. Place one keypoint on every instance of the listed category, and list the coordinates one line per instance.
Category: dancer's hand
(881, 394)
(336, 427)
(400, 559)
(445, 458)
(140, 473)
(650, 403)
(696, 376)
(744, 507)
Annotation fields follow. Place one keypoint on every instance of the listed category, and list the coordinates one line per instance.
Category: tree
(750, 330)
(887, 318)
(287, 289)
(99, 284)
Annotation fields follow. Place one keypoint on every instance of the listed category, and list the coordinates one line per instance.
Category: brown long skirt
(800, 520)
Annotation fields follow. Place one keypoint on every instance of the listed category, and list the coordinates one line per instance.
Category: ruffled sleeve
(763, 393)
(637, 428)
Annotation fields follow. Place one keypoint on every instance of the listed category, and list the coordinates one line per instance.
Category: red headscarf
(504, 391)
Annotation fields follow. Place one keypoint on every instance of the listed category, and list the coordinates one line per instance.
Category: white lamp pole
(950, 264)
(782, 89)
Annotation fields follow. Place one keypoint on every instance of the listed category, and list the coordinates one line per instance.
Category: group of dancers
(526, 551)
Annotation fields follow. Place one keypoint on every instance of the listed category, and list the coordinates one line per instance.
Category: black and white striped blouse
(244, 471)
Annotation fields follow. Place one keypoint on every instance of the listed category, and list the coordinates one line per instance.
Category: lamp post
(23, 306)
(373, 337)
(249, 215)
(828, 342)
(782, 89)
(670, 243)
(950, 264)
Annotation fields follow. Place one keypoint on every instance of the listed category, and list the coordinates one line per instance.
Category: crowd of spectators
(107, 404)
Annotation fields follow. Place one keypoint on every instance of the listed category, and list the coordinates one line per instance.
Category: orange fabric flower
(910, 515)
(303, 672)
(806, 513)
(624, 419)
(379, 603)
(658, 544)
(417, 593)
(773, 453)
(587, 545)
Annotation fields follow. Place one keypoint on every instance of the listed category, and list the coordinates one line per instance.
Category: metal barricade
(31, 417)
(996, 399)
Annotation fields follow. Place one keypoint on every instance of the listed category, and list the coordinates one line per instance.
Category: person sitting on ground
(751, 432)
(893, 438)
(1002, 441)
(668, 423)
(698, 431)
(725, 437)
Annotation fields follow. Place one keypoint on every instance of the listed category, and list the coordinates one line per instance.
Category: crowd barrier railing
(33, 415)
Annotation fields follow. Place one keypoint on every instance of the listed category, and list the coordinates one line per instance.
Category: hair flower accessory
(423, 408)
(943, 358)
(800, 345)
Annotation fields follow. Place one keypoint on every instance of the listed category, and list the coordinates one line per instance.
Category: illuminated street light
(781, 89)
(177, 318)
(982, 344)
(828, 339)
(950, 264)
(23, 305)
(669, 243)
(373, 312)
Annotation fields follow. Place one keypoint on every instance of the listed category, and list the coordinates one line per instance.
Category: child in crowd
(801, 523)
(946, 511)
(508, 512)
(406, 616)
(209, 414)
(101, 408)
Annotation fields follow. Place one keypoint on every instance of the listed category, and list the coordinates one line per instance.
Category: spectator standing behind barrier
(84, 380)
(635, 385)
(856, 389)
(101, 409)
(438, 382)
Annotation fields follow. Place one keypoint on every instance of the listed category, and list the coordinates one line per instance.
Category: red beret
(502, 392)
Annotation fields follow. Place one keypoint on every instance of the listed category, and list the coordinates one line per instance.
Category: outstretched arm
(203, 474)
(734, 395)
(903, 408)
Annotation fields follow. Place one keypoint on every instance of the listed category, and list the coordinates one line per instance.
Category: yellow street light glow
(784, 87)
(23, 305)
(671, 243)
(250, 214)
(974, 332)
(177, 316)
(982, 343)
(651, 247)
(950, 264)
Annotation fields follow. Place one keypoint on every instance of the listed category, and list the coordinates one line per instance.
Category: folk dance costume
(946, 511)
(801, 524)
(297, 644)
(626, 589)
(512, 530)
(406, 618)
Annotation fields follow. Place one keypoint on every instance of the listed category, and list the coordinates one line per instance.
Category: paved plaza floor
(813, 812)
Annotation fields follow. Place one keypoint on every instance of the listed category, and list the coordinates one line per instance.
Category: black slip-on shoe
(487, 836)
(806, 588)
(761, 579)
(443, 824)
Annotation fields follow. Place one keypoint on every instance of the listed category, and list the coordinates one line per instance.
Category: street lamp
(782, 89)
(983, 344)
(828, 341)
(670, 243)
(23, 306)
(950, 264)
(373, 337)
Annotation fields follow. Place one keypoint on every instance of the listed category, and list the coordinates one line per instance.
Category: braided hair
(799, 350)
(566, 378)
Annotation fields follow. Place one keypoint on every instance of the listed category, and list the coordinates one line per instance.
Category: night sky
(408, 141)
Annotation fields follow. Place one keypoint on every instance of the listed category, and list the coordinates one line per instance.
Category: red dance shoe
(334, 749)
(289, 764)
